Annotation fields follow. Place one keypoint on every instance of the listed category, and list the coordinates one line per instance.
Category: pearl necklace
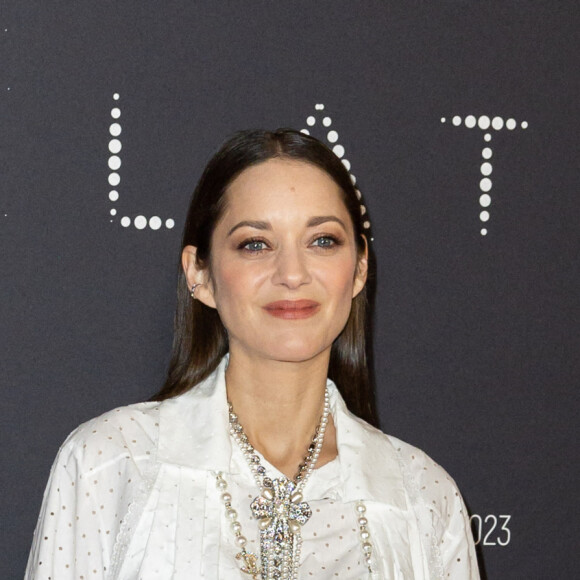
(280, 510)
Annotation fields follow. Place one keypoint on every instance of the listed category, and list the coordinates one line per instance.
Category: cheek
(225, 281)
(345, 272)
(339, 281)
(235, 286)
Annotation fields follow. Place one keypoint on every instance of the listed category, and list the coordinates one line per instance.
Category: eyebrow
(257, 225)
(312, 222)
(321, 219)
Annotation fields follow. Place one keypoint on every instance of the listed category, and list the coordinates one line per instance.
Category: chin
(296, 352)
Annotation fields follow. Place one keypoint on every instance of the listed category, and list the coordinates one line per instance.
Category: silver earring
(192, 291)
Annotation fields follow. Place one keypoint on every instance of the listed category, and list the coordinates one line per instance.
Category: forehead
(287, 184)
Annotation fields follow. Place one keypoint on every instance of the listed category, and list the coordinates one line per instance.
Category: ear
(362, 269)
(196, 275)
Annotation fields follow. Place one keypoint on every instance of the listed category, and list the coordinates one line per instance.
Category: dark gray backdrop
(476, 340)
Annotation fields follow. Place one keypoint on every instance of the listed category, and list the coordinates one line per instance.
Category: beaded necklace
(280, 509)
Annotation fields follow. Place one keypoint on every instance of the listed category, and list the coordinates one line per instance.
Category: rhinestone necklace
(280, 508)
(281, 511)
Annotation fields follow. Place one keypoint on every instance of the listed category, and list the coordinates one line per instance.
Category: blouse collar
(194, 433)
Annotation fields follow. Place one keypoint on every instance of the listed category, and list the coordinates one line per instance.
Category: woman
(248, 464)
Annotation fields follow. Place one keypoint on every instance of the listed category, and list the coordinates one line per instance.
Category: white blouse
(132, 496)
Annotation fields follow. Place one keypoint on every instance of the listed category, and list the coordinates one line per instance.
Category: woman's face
(284, 266)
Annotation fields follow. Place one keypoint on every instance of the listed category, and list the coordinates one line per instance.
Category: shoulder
(419, 464)
(387, 458)
(427, 484)
(425, 478)
(101, 471)
(123, 433)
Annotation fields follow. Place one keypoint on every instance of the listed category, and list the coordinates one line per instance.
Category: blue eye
(254, 246)
(325, 242)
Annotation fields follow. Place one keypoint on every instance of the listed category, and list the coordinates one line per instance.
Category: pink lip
(292, 309)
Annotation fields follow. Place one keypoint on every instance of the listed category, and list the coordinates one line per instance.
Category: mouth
(292, 309)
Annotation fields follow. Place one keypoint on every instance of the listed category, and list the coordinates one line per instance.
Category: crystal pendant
(281, 513)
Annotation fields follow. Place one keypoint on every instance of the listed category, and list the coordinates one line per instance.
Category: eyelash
(242, 245)
(333, 239)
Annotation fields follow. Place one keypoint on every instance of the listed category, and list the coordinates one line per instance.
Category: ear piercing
(192, 291)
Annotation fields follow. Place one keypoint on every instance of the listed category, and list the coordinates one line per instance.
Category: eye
(325, 242)
(253, 246)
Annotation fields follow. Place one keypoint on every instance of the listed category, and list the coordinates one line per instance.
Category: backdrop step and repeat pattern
(458, 119)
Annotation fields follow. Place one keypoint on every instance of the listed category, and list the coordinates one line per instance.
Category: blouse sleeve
(442, 516)
(72, 537)
(94, 480)
(453, 532)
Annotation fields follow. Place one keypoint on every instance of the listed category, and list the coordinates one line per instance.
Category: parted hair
(200, 339)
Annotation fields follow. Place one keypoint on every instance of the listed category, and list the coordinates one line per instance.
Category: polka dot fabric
(440, 513)
(94, 480)
(132, 496)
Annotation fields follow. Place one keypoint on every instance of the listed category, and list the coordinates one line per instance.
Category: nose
(291, 269)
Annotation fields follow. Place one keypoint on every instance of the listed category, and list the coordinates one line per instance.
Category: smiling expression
(284, 263)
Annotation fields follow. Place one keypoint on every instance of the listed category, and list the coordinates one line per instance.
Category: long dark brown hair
(200, 339)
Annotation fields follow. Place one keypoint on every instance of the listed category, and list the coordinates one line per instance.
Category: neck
(279, 405)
